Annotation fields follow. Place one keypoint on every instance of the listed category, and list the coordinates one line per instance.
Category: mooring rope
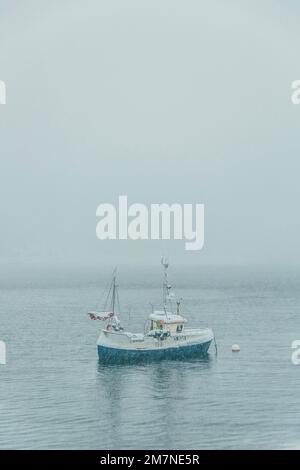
(216, 347)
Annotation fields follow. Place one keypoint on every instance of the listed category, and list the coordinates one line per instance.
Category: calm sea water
(55, 395)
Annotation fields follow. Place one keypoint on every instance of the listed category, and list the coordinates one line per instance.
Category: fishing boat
(165, 335)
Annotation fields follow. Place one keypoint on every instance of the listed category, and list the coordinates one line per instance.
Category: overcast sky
(165, 101)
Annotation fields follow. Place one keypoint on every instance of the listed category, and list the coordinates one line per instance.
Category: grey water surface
(54, 394)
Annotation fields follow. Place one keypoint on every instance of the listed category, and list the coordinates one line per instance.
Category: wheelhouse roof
(166, 317)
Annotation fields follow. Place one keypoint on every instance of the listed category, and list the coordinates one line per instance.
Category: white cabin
(164, 320)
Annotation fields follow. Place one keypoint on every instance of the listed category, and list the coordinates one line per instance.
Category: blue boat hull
(107, 354)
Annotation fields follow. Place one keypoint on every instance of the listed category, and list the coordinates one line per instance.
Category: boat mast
(113, 303)
(166, 286)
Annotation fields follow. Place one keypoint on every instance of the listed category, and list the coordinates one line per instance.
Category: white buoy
(235, 348)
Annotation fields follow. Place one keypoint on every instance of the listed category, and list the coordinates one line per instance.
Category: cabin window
(159, 325)
(179, 328)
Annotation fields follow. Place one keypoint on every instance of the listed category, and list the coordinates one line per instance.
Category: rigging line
(104, 291)
(118, 301)
(108, 296)
(107, 299)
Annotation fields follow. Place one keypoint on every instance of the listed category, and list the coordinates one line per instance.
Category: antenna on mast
(178, 303)
(165, 262)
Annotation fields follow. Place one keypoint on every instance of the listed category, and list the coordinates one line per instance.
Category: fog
(162, 101)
